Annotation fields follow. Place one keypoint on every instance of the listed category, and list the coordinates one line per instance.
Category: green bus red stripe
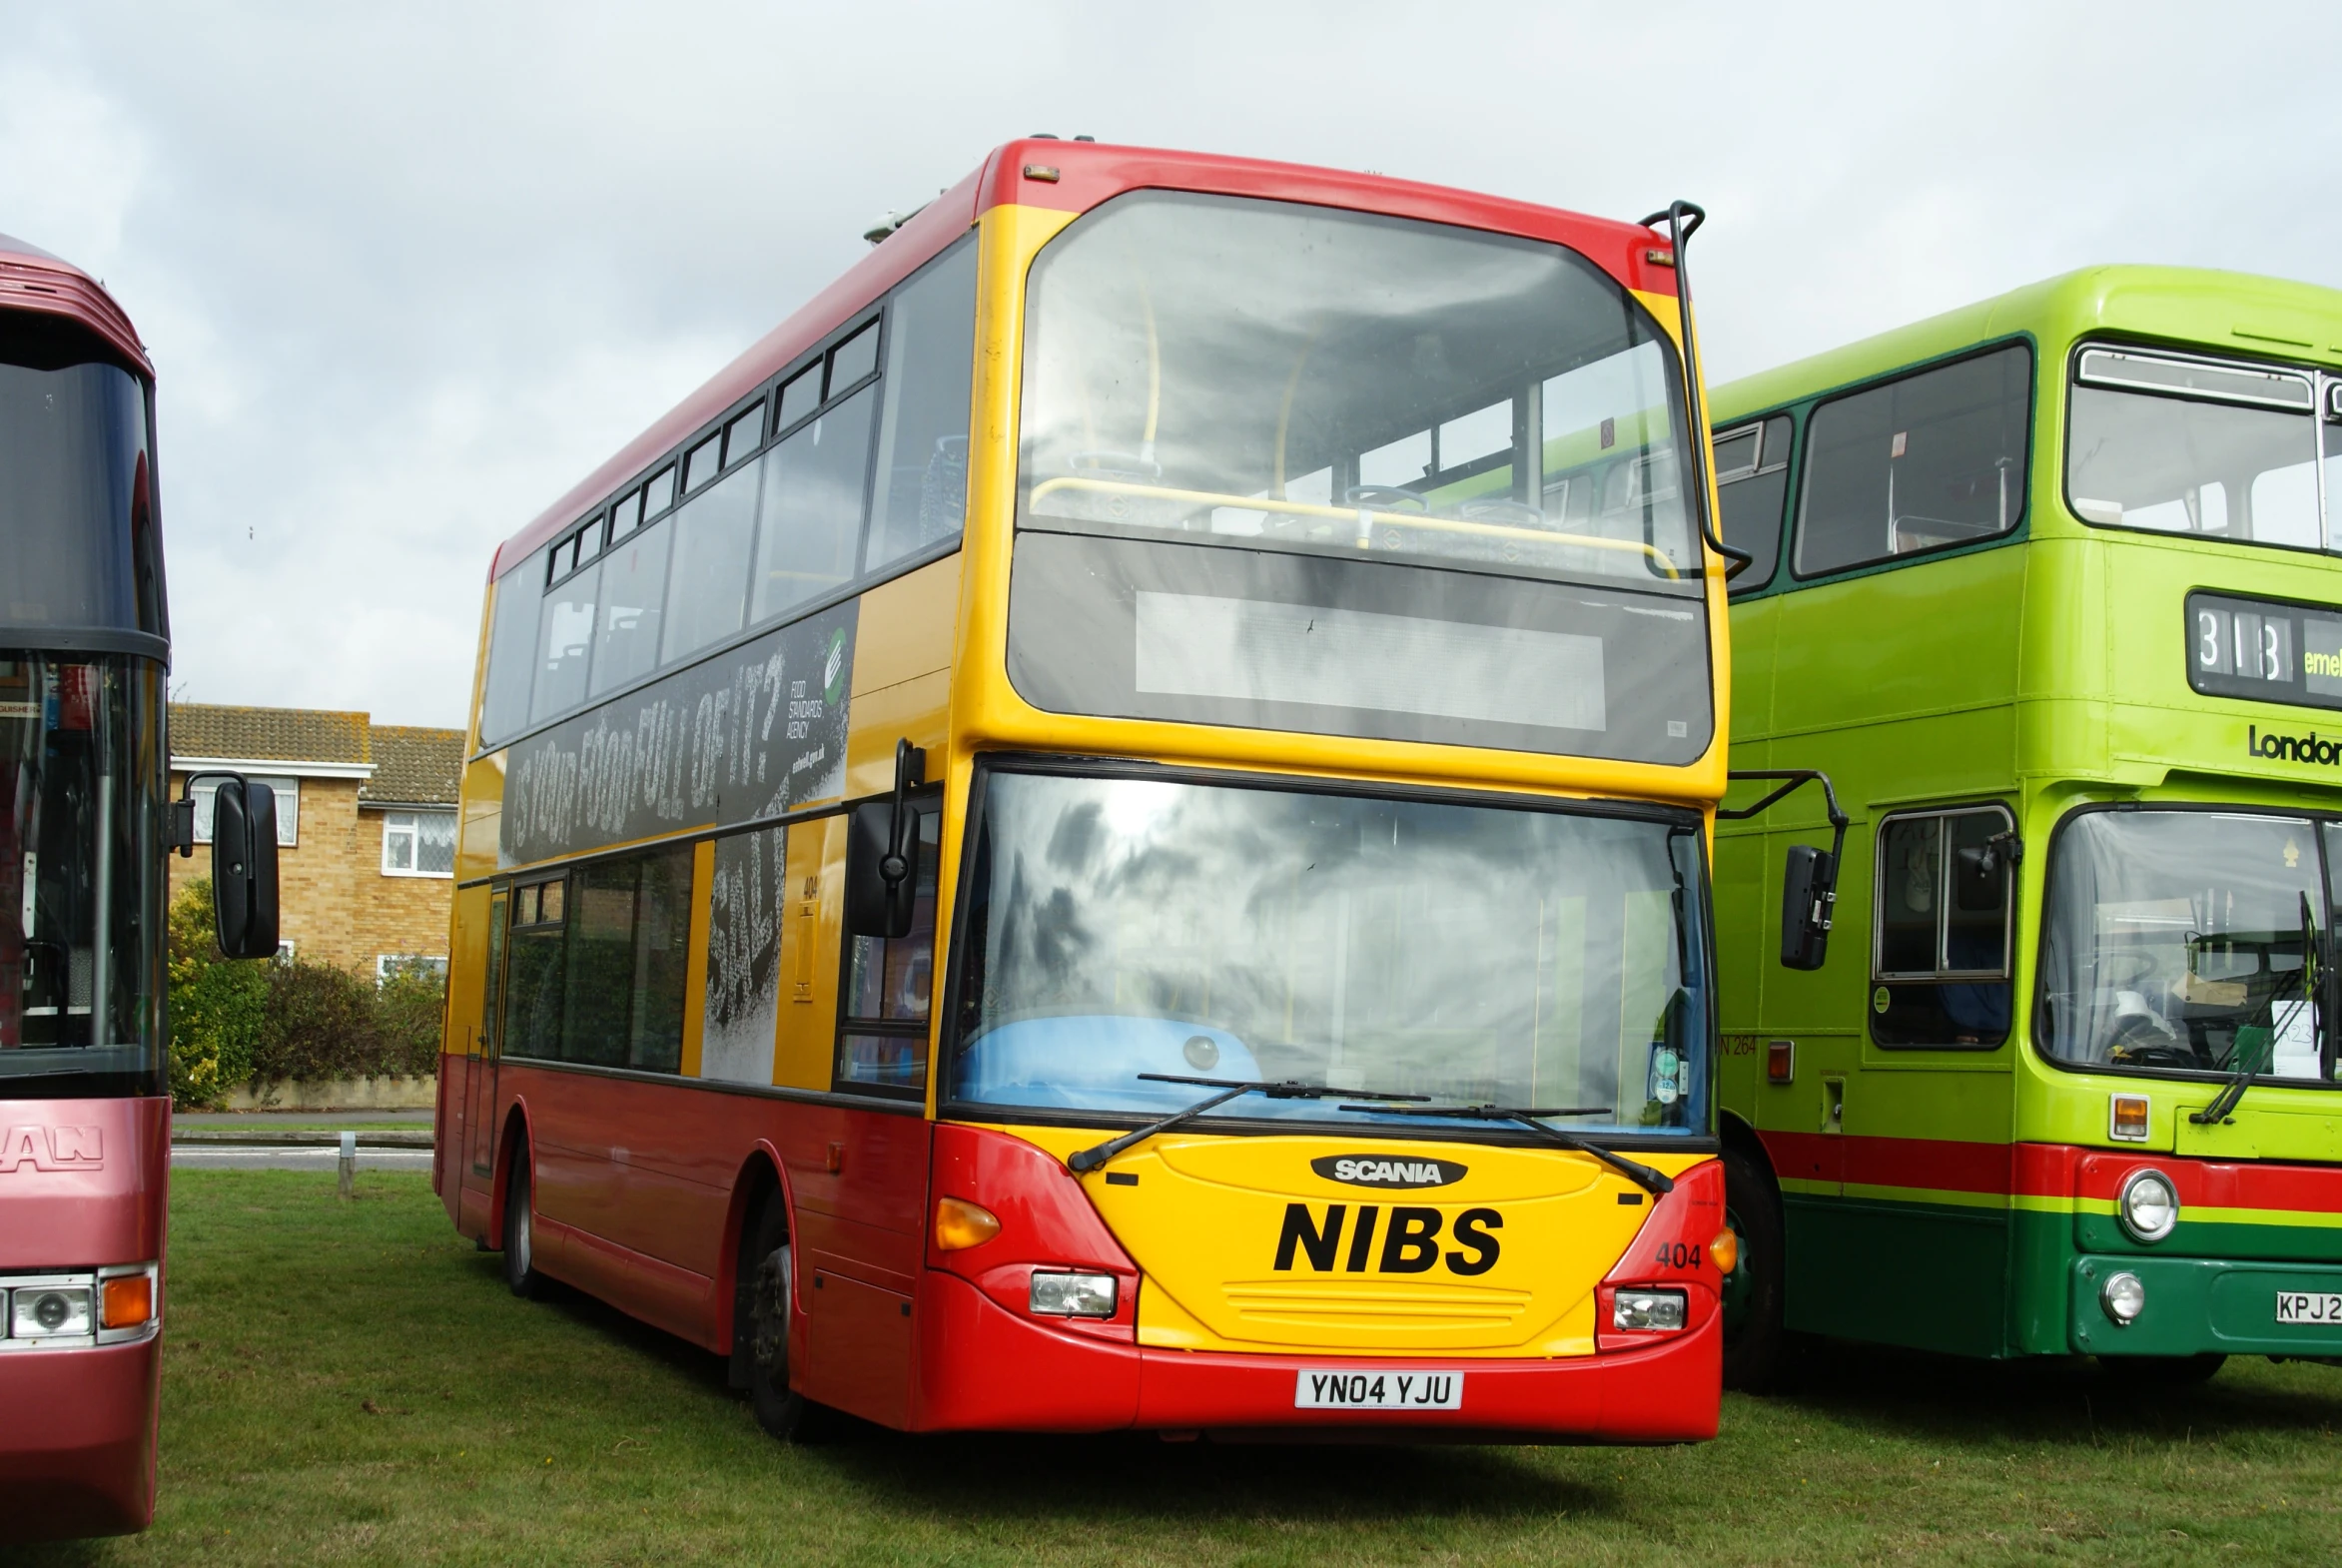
(2054, 1171)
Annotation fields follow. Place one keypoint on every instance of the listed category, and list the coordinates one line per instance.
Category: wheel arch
(762, 1178)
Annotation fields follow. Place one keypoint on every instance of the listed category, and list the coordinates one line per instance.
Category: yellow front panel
(468, 949)
(1502, 1260)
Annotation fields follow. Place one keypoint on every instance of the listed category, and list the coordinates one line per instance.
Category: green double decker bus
(2048, 587)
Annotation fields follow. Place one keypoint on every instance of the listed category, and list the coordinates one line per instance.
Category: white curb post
(348, 1162)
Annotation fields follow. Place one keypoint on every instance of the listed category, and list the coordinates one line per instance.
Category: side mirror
(1808, 899)
(244, 868)
(876, 907)
(882, 855)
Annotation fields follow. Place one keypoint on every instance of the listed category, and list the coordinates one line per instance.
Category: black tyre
(2163, 1371)
(770, 1272)
(521, 1271)
(1755, 1343)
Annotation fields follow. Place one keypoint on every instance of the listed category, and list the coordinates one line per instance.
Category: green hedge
(235, 1022)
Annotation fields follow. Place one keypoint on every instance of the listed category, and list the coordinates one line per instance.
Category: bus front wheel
(1755, 1342)
(780, 1410)
(521, 1271)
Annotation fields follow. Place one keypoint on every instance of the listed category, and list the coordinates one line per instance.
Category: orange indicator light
(960, 1224)
(1041, 172)
(2128, 1120)
(1779, 1061)
(130, 1301)
(1726, 1250)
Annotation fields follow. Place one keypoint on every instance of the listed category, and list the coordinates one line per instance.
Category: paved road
(230, 1157)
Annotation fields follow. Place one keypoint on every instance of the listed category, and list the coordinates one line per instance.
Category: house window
(287, 807)
(388, 964)
(418, 844)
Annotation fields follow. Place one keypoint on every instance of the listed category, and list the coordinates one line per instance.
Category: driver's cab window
(890, 990)
(1939, 968)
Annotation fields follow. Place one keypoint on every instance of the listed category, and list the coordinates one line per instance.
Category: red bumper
(981, 1367)
(77, 1441)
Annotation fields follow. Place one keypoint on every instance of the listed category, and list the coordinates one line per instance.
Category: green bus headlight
(2123, 1298)
(2149, 1208)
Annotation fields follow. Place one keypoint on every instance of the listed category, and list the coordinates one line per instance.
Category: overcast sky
(408, 272)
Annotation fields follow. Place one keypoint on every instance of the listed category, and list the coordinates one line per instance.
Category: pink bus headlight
(49, 1311)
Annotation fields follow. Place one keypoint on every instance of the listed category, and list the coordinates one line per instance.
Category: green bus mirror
(1809, 898)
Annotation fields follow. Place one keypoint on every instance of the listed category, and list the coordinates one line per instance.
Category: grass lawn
(349, 1383)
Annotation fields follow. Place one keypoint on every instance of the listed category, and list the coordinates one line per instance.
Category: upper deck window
(1752, 487)
(768, 518)
(1921, 463)
(1272, 376)
(2178, 445)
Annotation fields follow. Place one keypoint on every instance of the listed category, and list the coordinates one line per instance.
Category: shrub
(233, 1022)
(321, 1024)
(411, 1007)
(219, 1007)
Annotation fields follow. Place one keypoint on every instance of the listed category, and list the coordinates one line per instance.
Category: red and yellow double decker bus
(1110, 829)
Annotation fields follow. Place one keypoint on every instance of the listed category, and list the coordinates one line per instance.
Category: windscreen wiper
(2242, 1058)
(1652, 1182)
(1086, 1159)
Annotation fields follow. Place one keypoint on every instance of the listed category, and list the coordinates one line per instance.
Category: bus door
(480, 1066)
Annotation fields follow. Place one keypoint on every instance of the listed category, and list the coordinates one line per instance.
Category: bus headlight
(1072, 1295)
(1647, 1311)
(2149, 1207)
(49, 1312)
(2123, 1298)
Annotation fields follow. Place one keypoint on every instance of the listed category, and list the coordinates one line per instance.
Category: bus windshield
(1273, 375)
(2175, 939)
(1468, 954)
(73, 457)
(80, 792)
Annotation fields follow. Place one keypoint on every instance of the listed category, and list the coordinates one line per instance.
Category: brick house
(365, 827)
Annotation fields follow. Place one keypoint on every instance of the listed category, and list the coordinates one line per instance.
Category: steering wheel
(2139, 1043)
(1383, 496)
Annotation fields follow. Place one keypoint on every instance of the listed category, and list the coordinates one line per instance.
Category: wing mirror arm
(894, 868)
(1809, 890)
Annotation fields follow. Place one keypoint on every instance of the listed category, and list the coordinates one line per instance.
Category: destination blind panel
(1265, 639)
(2265, 650)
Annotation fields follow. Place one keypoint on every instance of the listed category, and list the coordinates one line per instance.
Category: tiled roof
(203, 730)
(414, 767)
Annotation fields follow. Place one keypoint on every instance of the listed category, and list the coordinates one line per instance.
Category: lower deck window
(1940, 954)
(595, 963)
